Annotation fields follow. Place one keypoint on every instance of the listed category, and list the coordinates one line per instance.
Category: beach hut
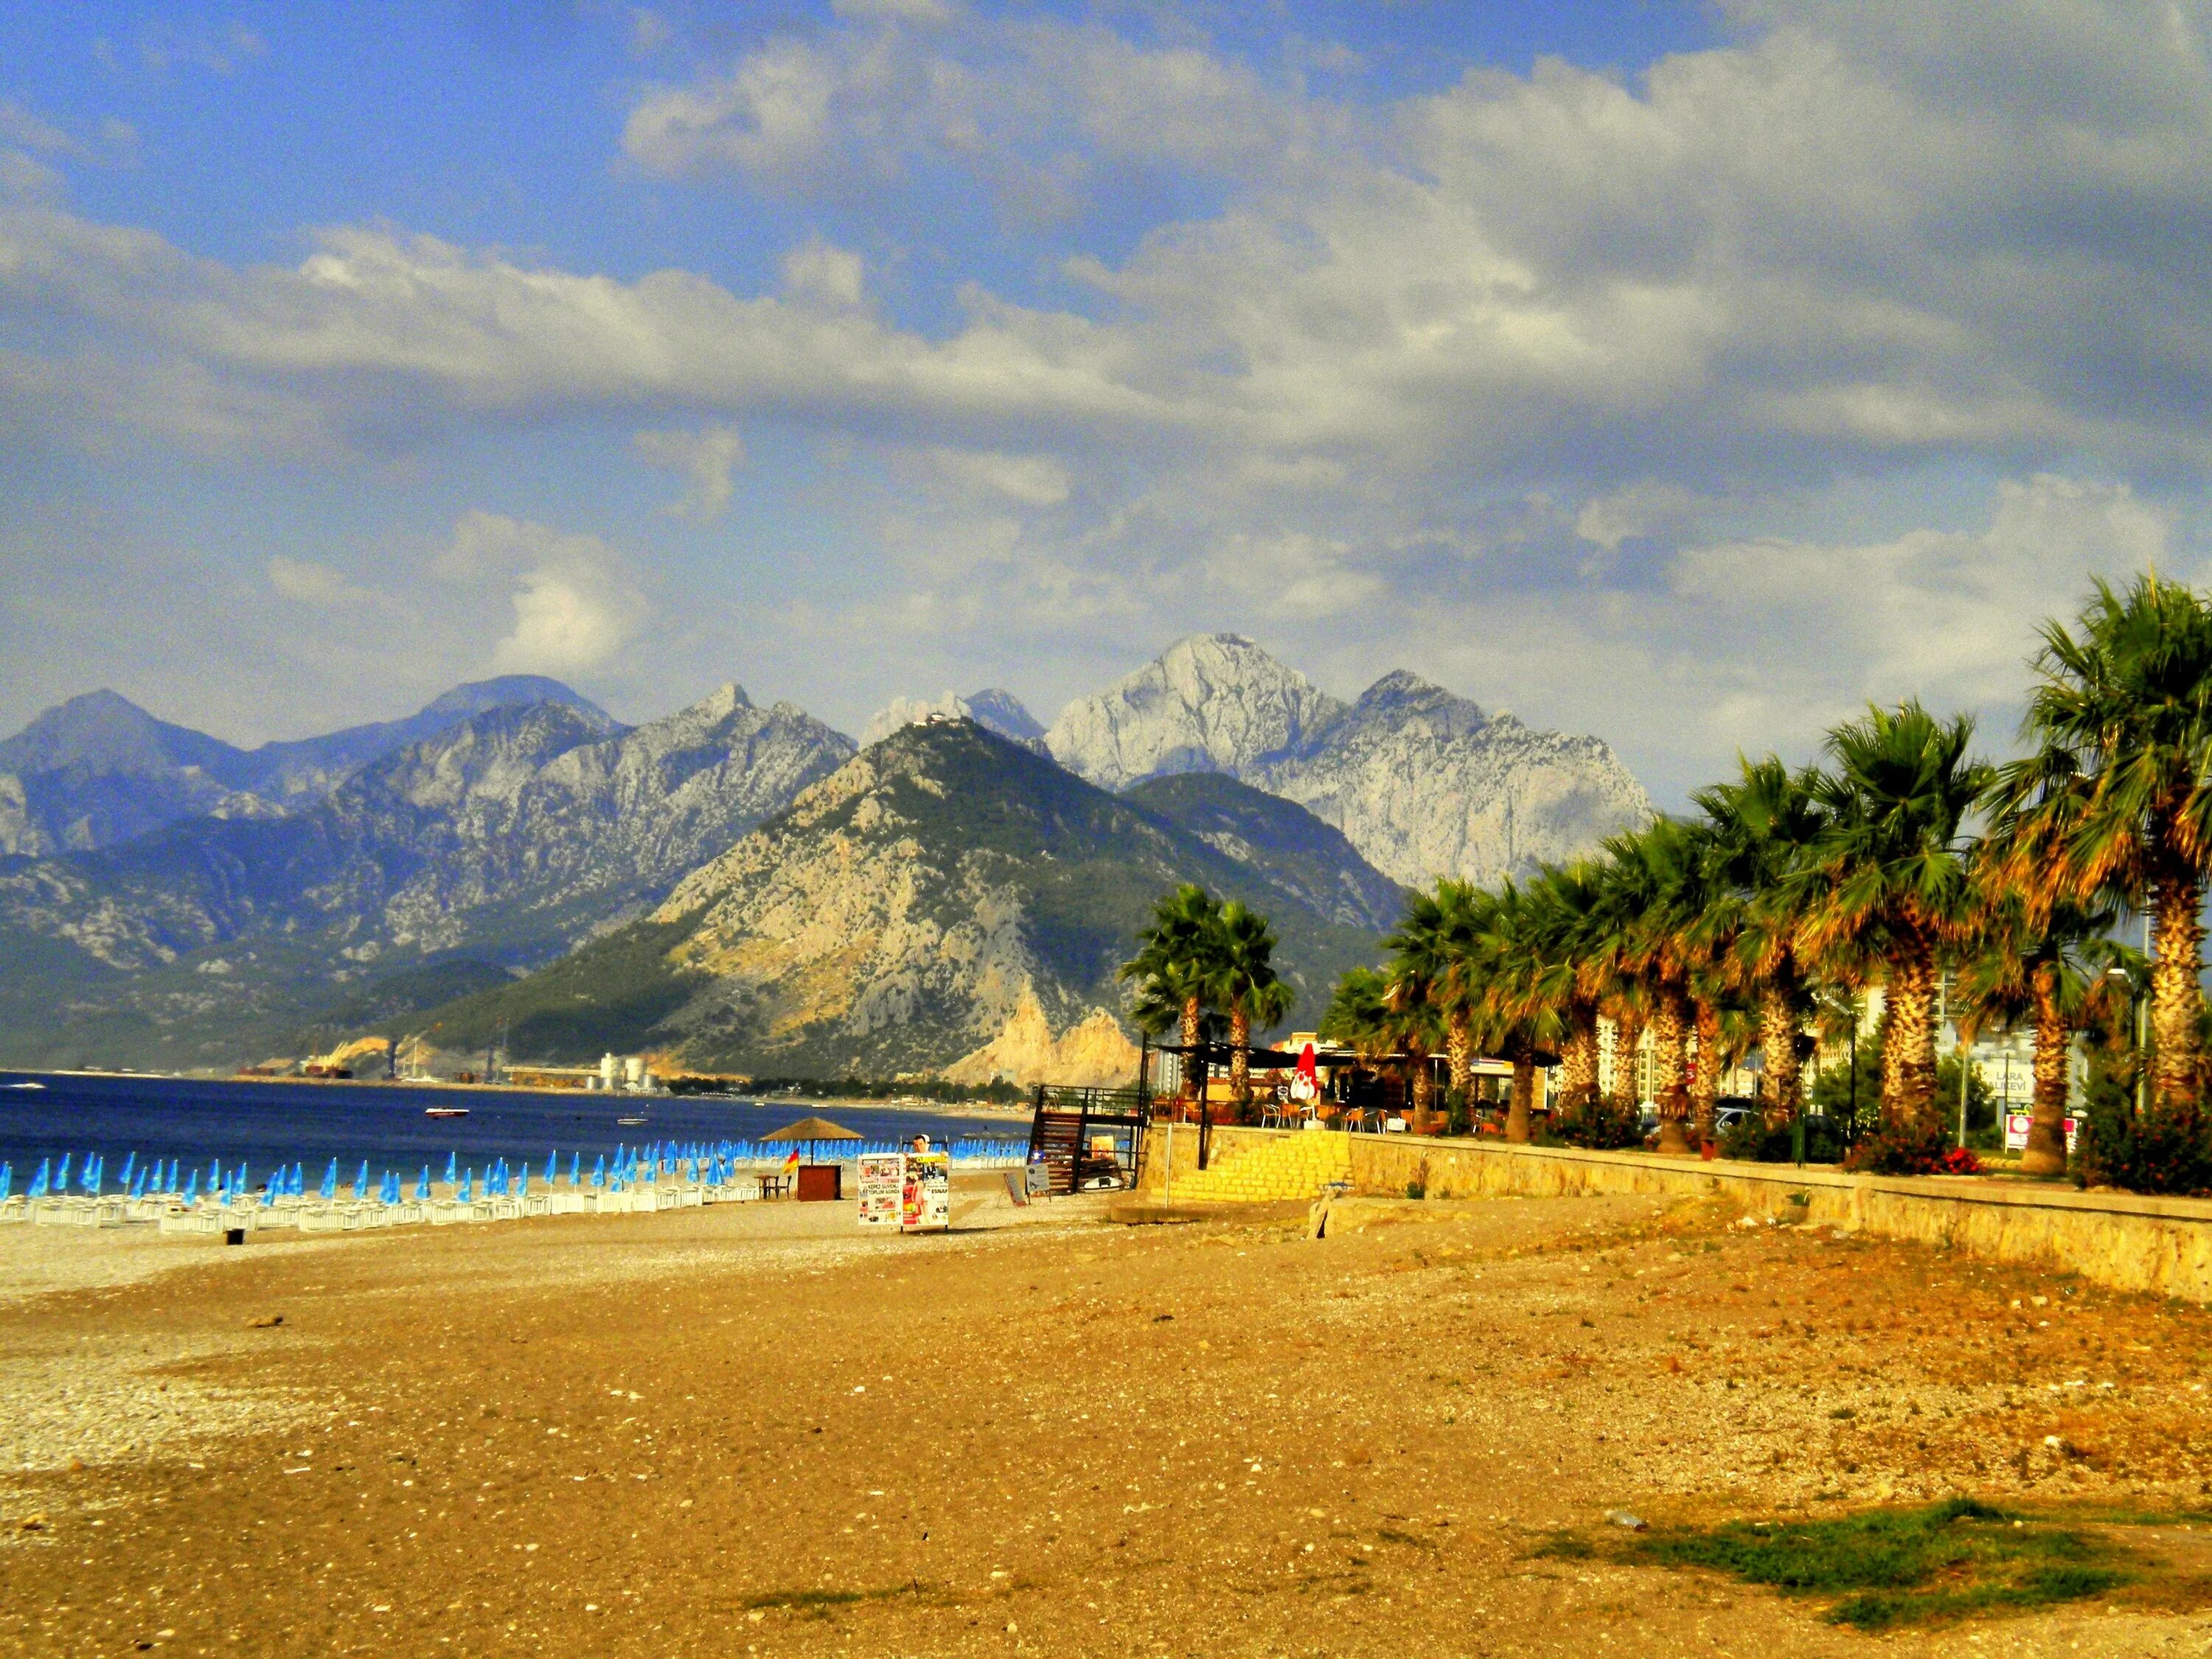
(817, 1181)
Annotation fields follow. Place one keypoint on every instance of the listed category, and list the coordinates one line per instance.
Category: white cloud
(574, 609)
(706, 459)
(1032, 480)
(311, 583)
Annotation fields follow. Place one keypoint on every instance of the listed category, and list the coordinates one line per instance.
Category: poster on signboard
(882, 1179)
(2016, 1125)
(926, 1195)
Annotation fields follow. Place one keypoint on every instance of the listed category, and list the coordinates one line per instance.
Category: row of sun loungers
(171, 1214)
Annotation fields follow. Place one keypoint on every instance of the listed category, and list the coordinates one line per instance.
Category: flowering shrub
(1960, 1160)
(1906, 1150)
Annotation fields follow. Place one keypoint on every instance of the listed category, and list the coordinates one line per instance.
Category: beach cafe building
(1347, 1083)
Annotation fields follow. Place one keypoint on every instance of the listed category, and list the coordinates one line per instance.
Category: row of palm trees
(1898, 858)
(1205, 968)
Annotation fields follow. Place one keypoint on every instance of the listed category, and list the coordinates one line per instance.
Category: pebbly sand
(752, 1430)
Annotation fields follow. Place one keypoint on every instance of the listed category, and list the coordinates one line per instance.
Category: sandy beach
(750, 1429)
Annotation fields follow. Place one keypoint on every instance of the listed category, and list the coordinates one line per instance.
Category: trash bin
(821, 1184)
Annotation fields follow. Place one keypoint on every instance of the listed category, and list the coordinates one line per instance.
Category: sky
(1690, 375)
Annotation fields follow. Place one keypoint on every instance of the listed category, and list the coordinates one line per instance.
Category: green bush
(1599, 1124)
(1753, 1141)
(2165, 1150)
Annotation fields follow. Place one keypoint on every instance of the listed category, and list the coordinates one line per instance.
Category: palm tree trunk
(2178, 935)
(1671, 1036)
(1908, 1049)
(1420, 1086)
(1706, 1075)
(2047, 1128)
(1524, 1092)
(1628, 1061)
(1578, 1066)
(1240, 1058)
(1459, 1050)
(1778, 1049)
(1193, 1063)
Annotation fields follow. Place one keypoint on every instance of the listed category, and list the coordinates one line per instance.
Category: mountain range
(704, 883)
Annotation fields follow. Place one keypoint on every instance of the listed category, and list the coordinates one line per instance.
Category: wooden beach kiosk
(819, 1182)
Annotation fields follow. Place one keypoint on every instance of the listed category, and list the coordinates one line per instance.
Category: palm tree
(1245, 986)
(1177, 957)
(1762, 826)
(1655, 886)
(2044, 973)
(2124, 720)
(1526, 982)
(1434, 942)
(1570, 904)
(1885, 880)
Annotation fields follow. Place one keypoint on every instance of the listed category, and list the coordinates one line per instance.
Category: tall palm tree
(2123, 720)
(1530, 984)
(1569, 900)
(1177, 961)
(1655, 887)
(2017, 968)
(1763, 825)
(1885, 880)
(1245, 986)
(1434, 943)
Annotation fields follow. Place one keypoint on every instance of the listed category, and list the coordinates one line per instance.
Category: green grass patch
(1886, 1568)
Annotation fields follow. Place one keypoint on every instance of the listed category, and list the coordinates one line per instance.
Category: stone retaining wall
(2162, 1245)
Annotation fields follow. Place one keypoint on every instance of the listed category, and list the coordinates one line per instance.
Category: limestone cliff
(1423, 782)
(1096, 1053)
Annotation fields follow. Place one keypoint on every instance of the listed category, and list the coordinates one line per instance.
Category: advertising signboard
(926, 1195)
(2016, 1132)
(882, 1177)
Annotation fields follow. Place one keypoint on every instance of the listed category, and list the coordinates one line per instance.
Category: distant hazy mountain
(944, 897)
(1422, 782)
(502, 839)
(99, 769)
(992, 710)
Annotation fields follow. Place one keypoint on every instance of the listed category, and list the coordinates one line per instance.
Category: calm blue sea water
(311, 1123)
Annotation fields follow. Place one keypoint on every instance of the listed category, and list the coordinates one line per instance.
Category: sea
(201, 1120)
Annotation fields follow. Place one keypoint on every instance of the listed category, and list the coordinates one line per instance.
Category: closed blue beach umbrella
(452, 1167)
(576, 1170)
(239, 1179)
(552, 1168)
(193, 1186)
(599, 1171)
(137, 1188)
(330, 1187)
(129, 1164)
(61, 1181)
(360, 1183)
(522, 1181)
(422, 1186)
(299, 1183)
(466, 1192)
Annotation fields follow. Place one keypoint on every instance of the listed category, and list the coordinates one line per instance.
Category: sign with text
(925, 1194)
(2016, 1132)
(881, 1180)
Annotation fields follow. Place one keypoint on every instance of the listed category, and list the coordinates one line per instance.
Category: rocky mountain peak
(992, 708)
(512, 691)
(1210, 703)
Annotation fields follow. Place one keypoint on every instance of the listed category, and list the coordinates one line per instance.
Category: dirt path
(741, 1430)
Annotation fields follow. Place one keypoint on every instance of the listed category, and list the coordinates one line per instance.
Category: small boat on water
(445, 1111)
(26, 1085)
(628, 1123)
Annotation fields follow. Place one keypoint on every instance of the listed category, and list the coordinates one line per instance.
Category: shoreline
(861, 1102)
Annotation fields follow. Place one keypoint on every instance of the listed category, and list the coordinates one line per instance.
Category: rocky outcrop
(1423, 782)
(1095, 1053)
(1213, 702)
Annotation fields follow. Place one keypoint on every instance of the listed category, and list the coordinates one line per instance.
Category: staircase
(1057, 1138)
(1287, 1165)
